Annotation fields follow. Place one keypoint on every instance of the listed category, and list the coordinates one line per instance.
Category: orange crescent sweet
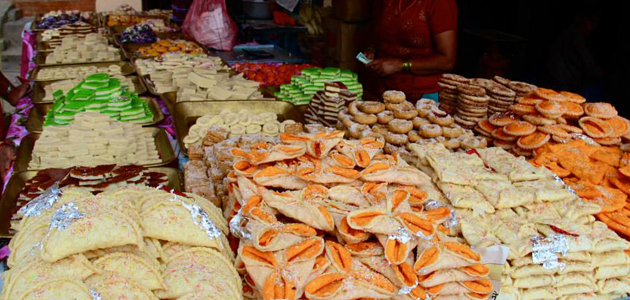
(523, 109)
(486, 126)
(548, 94)
(571, 128)
(550, 109)
(538, 120)
(533, 141)
(573, 97)
(522, 152)
(601, 110)
(595, 128)
(619, 126)
(506, 145)
(519, 128)
(529, 100)
(572, 109)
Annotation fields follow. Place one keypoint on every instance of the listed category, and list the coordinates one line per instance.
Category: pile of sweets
(170, 70)
(93, 179)
(99, 93)
(237, 124)
(92, 48)
(546, 116)
(327, 104)
(303, 87)
(597, 174)
(117, 245)
(66, 85)
(55, 36)
(399, 123)
(321, 217)
(209, 84)
(57, 73)
(211, 161)
(56, 19)
(158, 25)
(124, 20)
(94, 139)
(138, 34)
(169, 46)
(473, 99)
(557, 249)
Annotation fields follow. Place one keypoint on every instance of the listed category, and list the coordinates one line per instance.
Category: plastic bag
(209, 23)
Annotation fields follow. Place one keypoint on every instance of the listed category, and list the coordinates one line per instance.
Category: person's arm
(443, 60)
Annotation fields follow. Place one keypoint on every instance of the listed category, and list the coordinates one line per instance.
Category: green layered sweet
(303, 87)
(98, 93)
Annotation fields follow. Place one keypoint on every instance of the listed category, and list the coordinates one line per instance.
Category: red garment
(408, 33)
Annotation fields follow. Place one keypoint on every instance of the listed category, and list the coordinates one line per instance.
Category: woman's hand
(369, 53)
(7, 155)
(386, 66)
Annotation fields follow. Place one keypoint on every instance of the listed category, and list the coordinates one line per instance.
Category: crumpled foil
(42, 202)
(64, 216)
(237, 227)
(452, 218)
(401, 234)
(200, 218)
(407, 289)
(95, 295)
(545, 250)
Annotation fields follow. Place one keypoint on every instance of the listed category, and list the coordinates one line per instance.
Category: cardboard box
(352, 10)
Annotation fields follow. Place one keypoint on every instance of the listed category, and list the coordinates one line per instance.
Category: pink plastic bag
(209, 23)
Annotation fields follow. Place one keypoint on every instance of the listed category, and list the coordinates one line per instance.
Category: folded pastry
(522, 170)
(572, 267)
(481, 286)
(275, 153)
(588, 296)
(611, 296)
(470, 273)
(573, 278)
(445, 255)
(578, 256)
(349, 279)
(278, 236)
(19, 280)
(609, 259)
(24, 245)
(614, 285)
(574, 289)
(462, 196)
(605, 240)
(478, 234)
(310, 211)
(534, 281)
(104, 230)
(393, 169)
(129, 265)
(450, 170)
(112, 286)
(325, 171)
(531, 270)
(198, 270)
(275, 176)
(612, 272)
(361, 151)
(58, 288)
(508, 293)
(542, 293)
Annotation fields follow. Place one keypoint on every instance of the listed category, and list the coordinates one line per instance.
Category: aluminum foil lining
(402, 235)
(45, 201)
(546, 250)
(200, 218)
(452, 218)
(95, 295)
(566, 186)
(64, 216)
(407, 289)
(237, 227)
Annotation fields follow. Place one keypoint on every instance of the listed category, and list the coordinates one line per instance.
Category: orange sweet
(572, 97)
(548, 94)
(533, 141)
(550, 109)
(595, 128)
(519, 128)
(572, 109)
(600, 110)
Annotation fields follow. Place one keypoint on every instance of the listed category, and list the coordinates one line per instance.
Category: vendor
(12, 95)
(415, 44)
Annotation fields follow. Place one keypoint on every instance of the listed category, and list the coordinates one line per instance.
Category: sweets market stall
(150, 168)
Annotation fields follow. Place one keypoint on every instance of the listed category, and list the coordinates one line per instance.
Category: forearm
(432, 64)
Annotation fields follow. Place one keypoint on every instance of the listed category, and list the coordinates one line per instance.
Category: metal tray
(129, 50)
(43, 108)
(40, 60)
(126, 68)
(25, 151)
(18, 181)
(39, 89)
(45, 46)
(186, 113)
(160, 35)
(93, 20)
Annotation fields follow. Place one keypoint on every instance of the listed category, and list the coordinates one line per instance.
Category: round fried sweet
(608, 141)
(533, 141)
(573, 97)
(400, 126)
(414, 136)
(561, 140)
(430, 130)
(521, 87)
(452, 132)
(522, 152)
(418, 121)
(550, 109)
(555, 130)
(371, 107)
(396, 139)
(519, 128)
(572, 109)
(601, 110)
(595, 128)
(548, 94)
(538, 120)
(385, 117)
(405, 111)
(472, 90)
(486, 126)
(501, 80)
(522, 109)
(619, 126)
(570, 128)
(529, 100)
(502, 119)
(506, 145)
(394, 97)
(442, 119)
(500, 134)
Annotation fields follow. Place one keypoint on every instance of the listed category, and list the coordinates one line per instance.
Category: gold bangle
(407, 66)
